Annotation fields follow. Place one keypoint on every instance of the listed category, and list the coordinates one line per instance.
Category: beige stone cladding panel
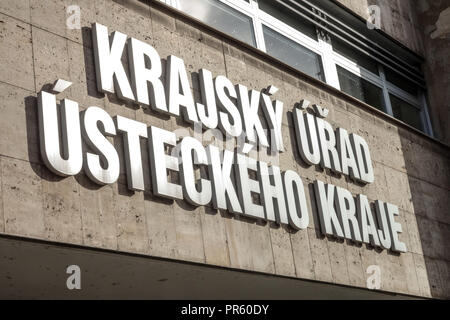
(16, 53)
(130, 219)
(19, 9)
(160, 227)
(303, 260)
(82, 75)
(61, 205)
(320, 256)
(51, 60)
(18, 123)
(97, 214)
(215, 241)
(22, 198)
(283, 256)
(188, 230)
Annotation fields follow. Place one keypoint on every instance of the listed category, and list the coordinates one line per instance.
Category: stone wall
(437, 67)
(398, 19)
(411, 171)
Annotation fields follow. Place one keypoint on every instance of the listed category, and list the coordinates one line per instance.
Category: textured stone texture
(19, 123)
(51, 60)
(19, 9)
(130, 221)
(61, 205)
(320, 256)
(214, 237)
(398, 19)
(302, 255)
(2, 218)
(282, 251)
(97, 215)
(437, 69)
(339, 268)
(189, 237)
(410, 171)
(239, 246)
(160, 228)
(22, 198)
(356, 274)
(16, 54)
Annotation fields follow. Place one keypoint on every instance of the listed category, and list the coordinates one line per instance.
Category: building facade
(150, 232)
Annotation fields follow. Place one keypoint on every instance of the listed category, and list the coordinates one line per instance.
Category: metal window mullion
(387, 99)
(410, 98)
(240, 6)
(288, 32)
(405, 96)
(257, 26)
(357, 70)
(329, 66)
(250, 11)
(425, 115)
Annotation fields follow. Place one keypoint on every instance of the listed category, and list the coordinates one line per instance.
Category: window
(302, 35)
(283, 14)
(293, 53)
(222, 17)
(361, 89)
(401, 82)
(360, 59)
(406, 112)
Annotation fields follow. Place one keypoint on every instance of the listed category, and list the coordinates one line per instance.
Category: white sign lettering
(208, 175)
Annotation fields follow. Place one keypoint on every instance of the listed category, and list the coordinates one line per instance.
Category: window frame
(294, 35)
(330, 58)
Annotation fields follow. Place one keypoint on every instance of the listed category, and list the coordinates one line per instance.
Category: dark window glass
(283, 14)
(293, 54)
(221, 17)
(406, 112)
(354, 55)
(401, 82)
(361, 89)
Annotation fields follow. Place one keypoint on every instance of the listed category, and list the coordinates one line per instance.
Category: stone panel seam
(424, 216)
(415, 177)
(24, 160)
(201, 231)
(347, 262)
(271, 249)
(434, 258)
(421, 215)
(224, 59)
(1, 195)
(226, 239)
(312, 260)
(293, 255)
(44, 217)
(18, 159)
(15, 18)
(44, 30)
(19, 87)
(32, 49)
(81, 214)
(145, 223)
(415, 273)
